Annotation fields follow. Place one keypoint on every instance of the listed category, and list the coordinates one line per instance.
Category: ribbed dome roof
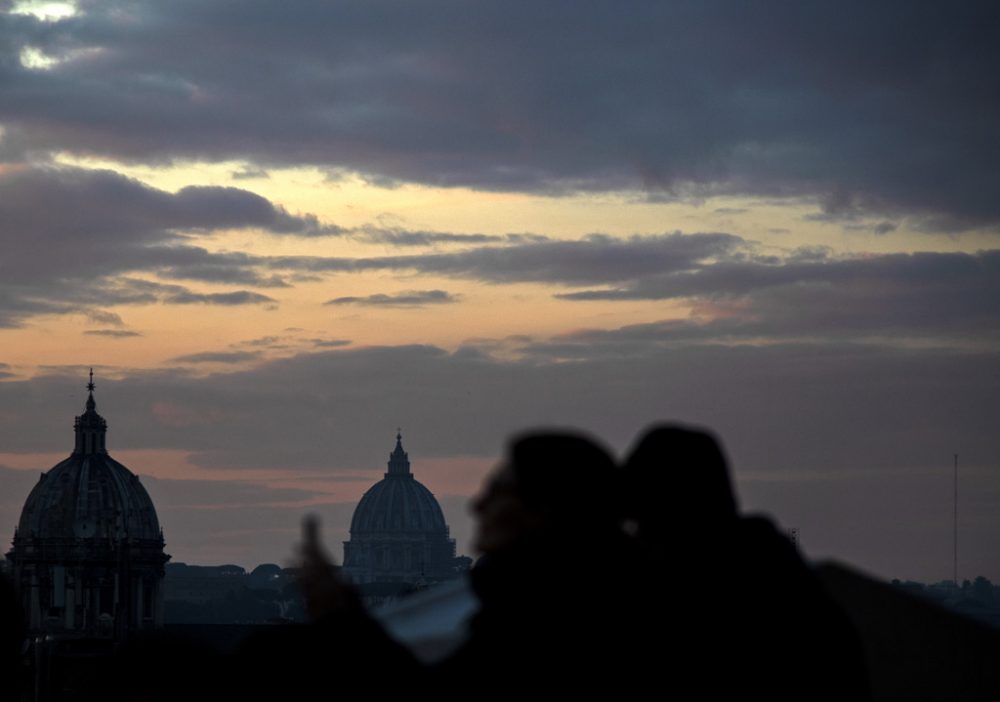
(398, 504)
(89, 495)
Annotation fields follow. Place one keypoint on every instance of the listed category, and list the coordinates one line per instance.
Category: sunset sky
(279, 231)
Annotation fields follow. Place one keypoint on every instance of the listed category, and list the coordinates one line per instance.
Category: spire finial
(90, 427)
(90, 391)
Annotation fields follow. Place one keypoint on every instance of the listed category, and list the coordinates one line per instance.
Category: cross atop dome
(91, 405)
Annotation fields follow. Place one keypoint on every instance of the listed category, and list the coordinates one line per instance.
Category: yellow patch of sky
(44, 9)
(171, 331)
(486, 311)
(32, 57)
(54, 341)
(348, 200)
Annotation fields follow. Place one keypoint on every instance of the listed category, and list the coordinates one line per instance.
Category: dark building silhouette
(398, 532)
(87, 555)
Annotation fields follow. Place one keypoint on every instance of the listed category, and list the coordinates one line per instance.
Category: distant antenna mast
(955, 545)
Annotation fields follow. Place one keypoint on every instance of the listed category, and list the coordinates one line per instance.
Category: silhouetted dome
(398, 503)
(89, 495)
(398, 533)
(88, 552)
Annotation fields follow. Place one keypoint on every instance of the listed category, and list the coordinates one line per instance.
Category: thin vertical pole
(955, 546)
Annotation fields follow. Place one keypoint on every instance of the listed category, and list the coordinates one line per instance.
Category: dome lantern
(399, 461)
(90, 427)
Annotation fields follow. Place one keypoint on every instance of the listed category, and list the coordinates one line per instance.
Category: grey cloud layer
(593, 259)
(336, 408)
(735, 292)
(889, 107)
(112, 333)
(408, 298)
(67, 233)
(811, 419)
(937, 294)
(218, 357)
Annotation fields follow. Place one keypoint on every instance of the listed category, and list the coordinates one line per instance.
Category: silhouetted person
(551, 583)
(750, 617)
(553, 576)
(678, 494)
(12, 633)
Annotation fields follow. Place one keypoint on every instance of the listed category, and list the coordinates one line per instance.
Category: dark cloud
(237, 297)
(103, 208)
(67, 234)
(104, 317)
(330, 343)
(218, 357)
(596, 258)
(684, 100)
(287, 342)
(407, 298)
(80, 296)
(399, 237)
(949, 296)
(249, 173)
(184, 262)
(334, 408)
(807, 292)
(265, 341)
(113, 333)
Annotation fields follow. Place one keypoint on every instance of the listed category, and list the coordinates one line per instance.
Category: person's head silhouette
(677, 482)
(551, 486)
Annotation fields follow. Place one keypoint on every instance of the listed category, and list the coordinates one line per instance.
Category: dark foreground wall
(916, 650)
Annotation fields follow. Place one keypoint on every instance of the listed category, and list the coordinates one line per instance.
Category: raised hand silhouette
(325, 590)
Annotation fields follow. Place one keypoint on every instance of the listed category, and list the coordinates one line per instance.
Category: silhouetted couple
(596, 578)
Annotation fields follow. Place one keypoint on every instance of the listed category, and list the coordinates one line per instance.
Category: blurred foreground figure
(746, 615)
(556, 572)
(12, 630)
(551, 583)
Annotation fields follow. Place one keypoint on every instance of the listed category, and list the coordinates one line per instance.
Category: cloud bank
(889, 108)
